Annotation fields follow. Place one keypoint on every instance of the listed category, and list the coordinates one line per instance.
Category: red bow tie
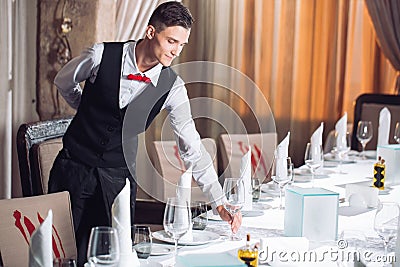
(138, 77)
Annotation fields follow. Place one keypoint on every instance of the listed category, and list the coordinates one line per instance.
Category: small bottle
(379, 174)
(247, 254)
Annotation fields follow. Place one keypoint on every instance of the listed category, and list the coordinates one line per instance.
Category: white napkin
(281, 153)
(316, 138)
(384, 127)
(341, 130)
(245, 174)
(183, 191)
(121, 220)
(41, 250)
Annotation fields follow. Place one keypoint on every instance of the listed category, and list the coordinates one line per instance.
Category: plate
(305, 171)
(211, 216)
(199, 238)
(332, 157)
(161, 249)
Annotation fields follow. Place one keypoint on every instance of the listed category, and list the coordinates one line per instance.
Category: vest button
(104, 142)
(110, 128)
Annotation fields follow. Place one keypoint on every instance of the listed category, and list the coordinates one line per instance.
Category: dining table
(265, 224)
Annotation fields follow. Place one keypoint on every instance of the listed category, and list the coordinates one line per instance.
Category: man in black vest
(91, 165)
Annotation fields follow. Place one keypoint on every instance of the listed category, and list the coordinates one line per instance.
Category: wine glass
(141, 241)
(283, 175)
(342, 147)
(103, 248)
(352, 242)
(386, 222)
(234, 191)
(177, 219)
(364, 135)
(397, 133)
(313, 158)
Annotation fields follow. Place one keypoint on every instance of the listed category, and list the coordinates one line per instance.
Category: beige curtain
(132, 17)
(385, 16)
(17, 90)
(311, 59)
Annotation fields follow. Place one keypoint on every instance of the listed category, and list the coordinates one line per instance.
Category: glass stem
(363, 150)
(280, 196)
(312, 177)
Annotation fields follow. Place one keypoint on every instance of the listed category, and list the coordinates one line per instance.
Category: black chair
(367, 108)
(30, 137)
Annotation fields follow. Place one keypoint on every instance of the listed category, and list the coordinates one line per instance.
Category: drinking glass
(342, 147)
(386, 222)
(397, 133)
(141, 240)
(256, 189)
(234, 191)
(103, 248)
(63, 262)
(177, 219)
(199, 215)
(364, 135)
(352, 242)
(313, 158)
(282, 178)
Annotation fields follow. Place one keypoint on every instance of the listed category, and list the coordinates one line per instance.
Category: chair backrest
(367, 108)
(21, 216)
(167, 162)
(234, 146)
(37, 146)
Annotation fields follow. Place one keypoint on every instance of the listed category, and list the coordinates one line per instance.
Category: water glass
(103, 248)
(256, 189)
(397, 133)
(342, 145)
(141, 240)
(352, 242)
(63, 262)
(199, 215)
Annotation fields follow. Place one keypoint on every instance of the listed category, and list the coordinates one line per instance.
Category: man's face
(168, 43)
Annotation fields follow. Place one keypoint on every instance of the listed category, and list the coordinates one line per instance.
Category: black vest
(95, 133)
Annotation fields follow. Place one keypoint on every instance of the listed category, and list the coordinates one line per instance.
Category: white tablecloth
(271, 223)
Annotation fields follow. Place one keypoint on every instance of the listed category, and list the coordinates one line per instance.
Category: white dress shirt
(177, 104)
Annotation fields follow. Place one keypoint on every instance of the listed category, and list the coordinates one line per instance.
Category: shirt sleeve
(77, 70)
(189, 143)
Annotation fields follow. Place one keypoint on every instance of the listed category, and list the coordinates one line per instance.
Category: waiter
(133, 79)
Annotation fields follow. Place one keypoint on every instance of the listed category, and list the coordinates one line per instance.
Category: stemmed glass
(141, 241)
(342, 147)
(103, 248)
(355, 241)
(177, 219)
(313, 158)
(397, 133)
(364, 135)
(282, 178)
(234, 191)
(386, 222)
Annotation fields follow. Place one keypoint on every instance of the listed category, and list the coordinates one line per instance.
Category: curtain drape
(311, 59)
(385, 16)
(17, 90)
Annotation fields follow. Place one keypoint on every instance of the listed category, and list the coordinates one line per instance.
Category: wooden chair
(21, 216)
(234, 146)
(367, 108)
(169, 167)
(38, 143)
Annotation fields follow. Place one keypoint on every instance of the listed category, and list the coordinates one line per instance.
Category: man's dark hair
(171, 14)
